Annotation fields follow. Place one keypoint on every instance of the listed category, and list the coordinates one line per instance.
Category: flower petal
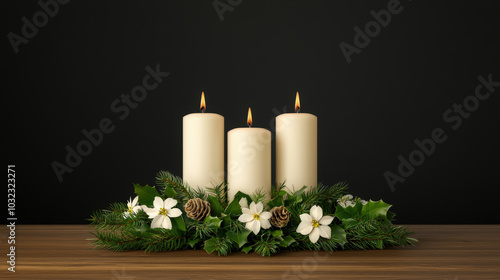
(326, 220)
(243, 202)
(158, 203)
(134, 202)
(265, 215)
(325, 231)
(306, 218)
(166, 224)
(174, 212)
(170, 202)
(305, 229)
(157, 221)
(265, 224)
(245, 218)
(314, 235)
(259, 207)
(316, 212)
(136, 209)
(252, 207)
(246, 211)
(151, 212)
(256, 227)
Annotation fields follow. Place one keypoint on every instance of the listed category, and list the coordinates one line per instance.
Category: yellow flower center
(315, 223)
(163, 211)
(256, 217)
(130, 210)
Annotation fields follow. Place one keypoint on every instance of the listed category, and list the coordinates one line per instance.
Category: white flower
(315, 224)
(162, 212)
(254, 217)
(364, 202)
(243, 202)
(346, 200)
(133, 207)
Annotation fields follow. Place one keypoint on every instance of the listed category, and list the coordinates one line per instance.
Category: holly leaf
(240, 238)
(296, 197)
(178, 225)
(146, 194)
(375, 209)
(212, 222)
(348, 212)
(210, 245)
(193, 242)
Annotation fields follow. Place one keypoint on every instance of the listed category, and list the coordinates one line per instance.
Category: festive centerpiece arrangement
(173, 216)
(245, 212)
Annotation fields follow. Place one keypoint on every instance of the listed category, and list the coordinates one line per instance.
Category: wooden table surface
(444, 252)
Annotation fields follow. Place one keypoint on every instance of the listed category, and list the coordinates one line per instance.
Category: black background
(369, 111)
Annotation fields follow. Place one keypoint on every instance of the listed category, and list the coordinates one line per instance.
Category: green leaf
(348, 212)
(375, 209)
(234, 207)
(338, 234)
(215, 206)
(240, 238)
(146, 194)
(178, 225)
(247, 249)
(296, 197)
(278, 200)
(212, 222)
(277, 233)
(287, 240)
(210, 245)
(170, 192)
(193, 242)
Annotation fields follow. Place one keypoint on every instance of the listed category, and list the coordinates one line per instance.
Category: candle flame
(249, 117)
(297, 103)
(203, 106)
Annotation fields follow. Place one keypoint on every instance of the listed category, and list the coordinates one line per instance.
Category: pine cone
(197, 209)
(280, 216)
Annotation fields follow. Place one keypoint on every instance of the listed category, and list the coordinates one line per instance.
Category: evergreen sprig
(357, 225)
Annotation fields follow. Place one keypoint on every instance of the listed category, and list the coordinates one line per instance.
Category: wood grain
(444, 252)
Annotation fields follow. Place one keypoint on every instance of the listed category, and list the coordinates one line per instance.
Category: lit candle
(297, 149)
(249, 160)
(203, 148)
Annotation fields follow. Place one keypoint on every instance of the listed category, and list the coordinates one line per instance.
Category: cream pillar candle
(297, 149)
(203, 148)
(249, 160)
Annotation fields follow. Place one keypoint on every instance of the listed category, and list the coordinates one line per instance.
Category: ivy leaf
(193, 242)
(287, 240)
(348, 212)
(210, 245)
(216, 208)
(375, 209)
(234, 207)
(277, 233)
(240, 238)
(338, 234)
(212, 222)
(247, 249)
(146, 194)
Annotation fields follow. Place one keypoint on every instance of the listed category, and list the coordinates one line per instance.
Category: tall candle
(203, 148)
(249, 160)
(297, 149)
